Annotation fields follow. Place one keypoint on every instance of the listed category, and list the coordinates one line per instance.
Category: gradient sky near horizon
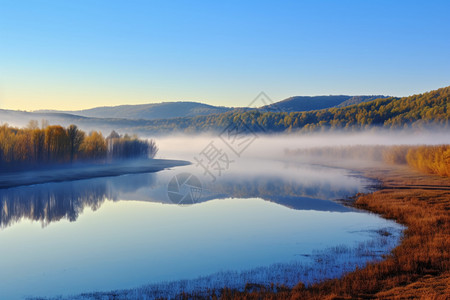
(79, 54)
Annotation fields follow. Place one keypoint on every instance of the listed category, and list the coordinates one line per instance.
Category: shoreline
(418, 267)
(330, 262)
(336, 260)
(234, 290)
(86, 171)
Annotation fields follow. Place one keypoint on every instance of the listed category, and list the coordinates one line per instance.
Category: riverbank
(417, 268)
(86, 171)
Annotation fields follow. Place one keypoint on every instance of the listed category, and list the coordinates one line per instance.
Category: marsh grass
(417, 268)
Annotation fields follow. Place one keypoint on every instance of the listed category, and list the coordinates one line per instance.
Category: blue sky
(81, 54)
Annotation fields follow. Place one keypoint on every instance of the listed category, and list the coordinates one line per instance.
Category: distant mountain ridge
(181, 109)
(417, 111)
(151, 111)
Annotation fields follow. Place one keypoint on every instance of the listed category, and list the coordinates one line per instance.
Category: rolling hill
(181, 109)
(417, 111)
(431, 108)
(151, 111)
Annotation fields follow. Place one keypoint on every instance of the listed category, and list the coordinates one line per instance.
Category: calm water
(123, 232)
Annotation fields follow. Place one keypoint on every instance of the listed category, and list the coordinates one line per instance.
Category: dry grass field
(419, 268)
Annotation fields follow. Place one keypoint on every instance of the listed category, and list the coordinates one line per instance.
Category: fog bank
(273, 146)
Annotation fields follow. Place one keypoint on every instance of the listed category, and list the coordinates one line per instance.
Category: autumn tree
(56, 142)
(129, 147)
(20, 148)
(76, 138)
(93, 146)
(37, 143)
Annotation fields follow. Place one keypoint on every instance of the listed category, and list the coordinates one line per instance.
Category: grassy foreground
(418, 268)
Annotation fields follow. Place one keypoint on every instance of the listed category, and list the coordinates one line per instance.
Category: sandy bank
(86, 171)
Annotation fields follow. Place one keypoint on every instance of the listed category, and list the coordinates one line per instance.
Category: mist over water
(264, 209)
(180, 146)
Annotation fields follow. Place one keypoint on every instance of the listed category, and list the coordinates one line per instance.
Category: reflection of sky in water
(125, 244)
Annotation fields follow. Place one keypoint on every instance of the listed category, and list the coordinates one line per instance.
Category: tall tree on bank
(76, 138)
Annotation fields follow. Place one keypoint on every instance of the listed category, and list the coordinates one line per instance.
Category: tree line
(415, 111)
(56, 144)
(431, 159)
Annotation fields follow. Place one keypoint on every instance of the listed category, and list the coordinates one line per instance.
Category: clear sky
(81, 54)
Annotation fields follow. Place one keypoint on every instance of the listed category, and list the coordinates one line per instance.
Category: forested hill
(432, 108)
(414, 111)
(308, 103)
(169, 110)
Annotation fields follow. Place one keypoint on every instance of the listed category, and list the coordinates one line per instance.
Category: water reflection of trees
(274, 187)
(316, 195)
(52, 202)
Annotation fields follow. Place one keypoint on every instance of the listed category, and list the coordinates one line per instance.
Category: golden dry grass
(419, 268)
